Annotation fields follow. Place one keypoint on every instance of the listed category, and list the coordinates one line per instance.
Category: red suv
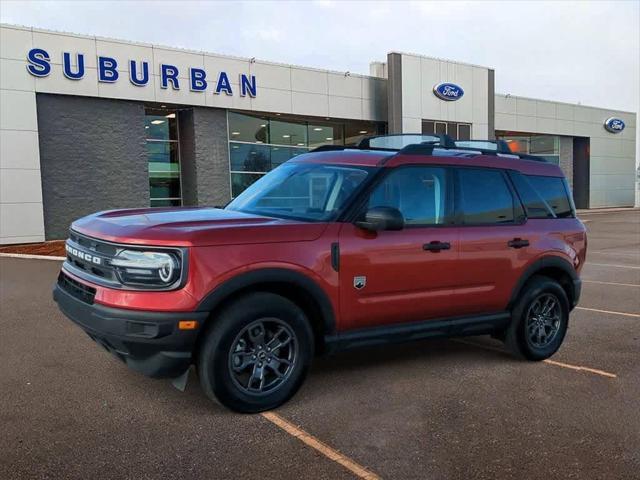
(401, 238)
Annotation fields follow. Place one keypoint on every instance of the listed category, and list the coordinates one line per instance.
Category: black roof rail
(330, 148)
(425, 144)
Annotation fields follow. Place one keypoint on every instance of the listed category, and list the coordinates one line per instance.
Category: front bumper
(148, 342)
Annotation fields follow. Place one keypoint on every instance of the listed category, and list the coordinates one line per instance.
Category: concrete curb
(607, 210)
(31, 257)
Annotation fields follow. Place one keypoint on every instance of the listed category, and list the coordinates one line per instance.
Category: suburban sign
(614, 125)
(73, 68)
(448, 91)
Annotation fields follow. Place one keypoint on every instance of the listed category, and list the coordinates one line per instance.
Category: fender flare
(540, 264)
(272, 275)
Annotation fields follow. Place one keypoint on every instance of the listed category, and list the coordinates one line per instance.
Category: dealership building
(90, 123)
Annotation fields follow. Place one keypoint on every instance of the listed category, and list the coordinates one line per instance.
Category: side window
(555, 193)
(420, 193)
(534, 204)
(485, 197)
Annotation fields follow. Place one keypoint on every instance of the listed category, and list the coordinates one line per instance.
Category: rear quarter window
(555, 192)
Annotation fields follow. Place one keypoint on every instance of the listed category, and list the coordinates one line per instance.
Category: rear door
(493, 240)
(408, 275)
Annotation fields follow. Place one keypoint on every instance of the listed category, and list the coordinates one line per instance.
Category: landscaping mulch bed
(53, 248)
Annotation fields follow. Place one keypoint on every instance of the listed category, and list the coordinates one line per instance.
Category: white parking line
(577, 368)
(32, 257)
(626, 314)
(321, 447)
(612, 283)
(612, 265)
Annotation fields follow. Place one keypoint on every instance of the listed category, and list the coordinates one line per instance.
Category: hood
(193, 227)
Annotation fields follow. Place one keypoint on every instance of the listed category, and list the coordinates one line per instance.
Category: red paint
(404, 282)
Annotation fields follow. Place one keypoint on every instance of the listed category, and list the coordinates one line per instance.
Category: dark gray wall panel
(92, 157)
(491, 107)
(188, 158)
(394, 92)
(211, 156)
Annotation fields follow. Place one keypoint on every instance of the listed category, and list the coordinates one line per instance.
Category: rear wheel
(539, 320)
(256, 354)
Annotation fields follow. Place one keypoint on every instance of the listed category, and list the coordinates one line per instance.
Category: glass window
(441, 128)
(240, 182)
(418, 192)
(555, 193)
(250, 157)
(288, 133)
(163, 155)
(356, 131)
(545, 146)
(535, 206)
(464, 131)
(248, 128)
(312, 192)
(428, 127)
(485, 197)
(279, 155)
(260, 143)
(325, 134)
(160, 125)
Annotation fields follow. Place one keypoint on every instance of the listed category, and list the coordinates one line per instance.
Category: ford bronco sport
(400, 238)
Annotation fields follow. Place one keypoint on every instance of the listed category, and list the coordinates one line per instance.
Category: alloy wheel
(544, 318)
(262, 356)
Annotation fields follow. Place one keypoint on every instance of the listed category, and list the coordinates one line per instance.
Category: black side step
(406, 332)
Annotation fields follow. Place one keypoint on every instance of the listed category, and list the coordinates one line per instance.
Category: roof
(386, 159)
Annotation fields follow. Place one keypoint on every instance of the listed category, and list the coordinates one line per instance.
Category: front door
(406, 275)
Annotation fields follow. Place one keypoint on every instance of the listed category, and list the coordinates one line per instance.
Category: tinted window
(302, 191)
(418, 192)
(485, 196)
(554, 192)
(535, 206)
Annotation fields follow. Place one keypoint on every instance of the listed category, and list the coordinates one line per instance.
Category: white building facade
(91, 124)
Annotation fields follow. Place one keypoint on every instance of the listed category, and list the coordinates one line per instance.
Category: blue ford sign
(614, 125)
(448, 91)
(108, 71)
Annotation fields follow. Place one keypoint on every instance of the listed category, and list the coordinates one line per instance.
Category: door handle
(518, 243)
(436, 246)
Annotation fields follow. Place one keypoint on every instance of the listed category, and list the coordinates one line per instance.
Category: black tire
(532, 334)
(234, 378)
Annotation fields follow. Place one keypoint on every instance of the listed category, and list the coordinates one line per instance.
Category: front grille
(76, 289)
(84, 249)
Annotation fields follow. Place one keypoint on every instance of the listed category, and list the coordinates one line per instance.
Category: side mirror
(382, 218)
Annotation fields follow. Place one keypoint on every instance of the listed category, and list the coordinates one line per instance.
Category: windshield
(302, 191)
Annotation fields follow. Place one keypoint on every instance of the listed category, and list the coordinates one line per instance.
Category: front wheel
(256, 354)
(539, 320)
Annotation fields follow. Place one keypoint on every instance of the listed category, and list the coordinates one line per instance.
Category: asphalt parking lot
(429, 410)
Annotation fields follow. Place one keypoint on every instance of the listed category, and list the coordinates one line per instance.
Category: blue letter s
(39, 65)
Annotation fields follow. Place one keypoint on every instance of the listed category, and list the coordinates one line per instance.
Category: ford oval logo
(614, 125)
(448, 91)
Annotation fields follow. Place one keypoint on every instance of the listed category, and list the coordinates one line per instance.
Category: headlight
(146, 268)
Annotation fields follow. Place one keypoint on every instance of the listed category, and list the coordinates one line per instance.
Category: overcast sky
(584, 52)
